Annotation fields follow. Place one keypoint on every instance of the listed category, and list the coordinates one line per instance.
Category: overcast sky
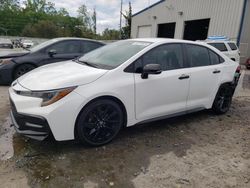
(107, 10)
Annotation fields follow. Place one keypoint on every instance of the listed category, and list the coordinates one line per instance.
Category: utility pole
(121, 20)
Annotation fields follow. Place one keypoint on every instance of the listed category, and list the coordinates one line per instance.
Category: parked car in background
(5, 44)
(27, 43)
(15, 65)
(119, 85)
(248, 63)
(227, 47)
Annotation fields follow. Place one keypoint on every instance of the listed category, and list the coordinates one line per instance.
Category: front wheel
(99, 122)
(223, 99)
(23, 69)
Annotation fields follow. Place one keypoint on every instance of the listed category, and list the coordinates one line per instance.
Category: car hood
(11, 53)
(60, 75)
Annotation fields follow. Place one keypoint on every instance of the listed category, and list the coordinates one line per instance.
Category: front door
(166, 93)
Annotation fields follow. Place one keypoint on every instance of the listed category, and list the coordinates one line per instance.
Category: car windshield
(42, 45)
(114, 54)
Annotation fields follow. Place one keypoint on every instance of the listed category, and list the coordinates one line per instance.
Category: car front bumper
(34, 121)
(31, 126)
(6, 74)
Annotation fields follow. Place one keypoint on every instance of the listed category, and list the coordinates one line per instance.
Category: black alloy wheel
(23, 69)
(99, 122)
(223, 99)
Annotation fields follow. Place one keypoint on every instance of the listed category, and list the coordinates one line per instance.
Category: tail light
(248, 61)
(238, 69)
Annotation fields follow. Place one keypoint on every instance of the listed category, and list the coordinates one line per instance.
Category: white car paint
(233, 54)
(144, 99)
(27, 43)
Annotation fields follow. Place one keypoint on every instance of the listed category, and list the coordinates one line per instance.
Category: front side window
(220, 46)
(197, 55)
(114, 54)
(66, 47)
(169, 56)
(232, 46)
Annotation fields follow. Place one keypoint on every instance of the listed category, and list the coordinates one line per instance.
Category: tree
(42, 29)
(110, 34)
(94, 21)
(126, 31)
(9, 5)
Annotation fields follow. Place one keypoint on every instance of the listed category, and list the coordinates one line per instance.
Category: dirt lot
(197, 150)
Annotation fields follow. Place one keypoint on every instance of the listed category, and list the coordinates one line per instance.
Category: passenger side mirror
(151, 69)
(52, 53)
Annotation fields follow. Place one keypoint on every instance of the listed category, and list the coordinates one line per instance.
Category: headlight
(49, 97)
(5, 61)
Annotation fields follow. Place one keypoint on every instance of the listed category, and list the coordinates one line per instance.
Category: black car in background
(15, 65)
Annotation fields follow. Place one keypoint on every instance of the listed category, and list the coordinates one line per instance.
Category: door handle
(184, 76)
(216, 71)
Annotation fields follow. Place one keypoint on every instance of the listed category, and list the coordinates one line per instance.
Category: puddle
(6, 141)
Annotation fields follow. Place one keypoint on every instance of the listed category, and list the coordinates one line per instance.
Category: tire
(23, 69)
(99, 122)
(223, 99)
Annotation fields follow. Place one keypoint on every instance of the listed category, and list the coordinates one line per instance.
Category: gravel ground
(196, 150)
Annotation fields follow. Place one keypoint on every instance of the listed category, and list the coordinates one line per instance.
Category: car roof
(76, 38)
(219, 41)
(167, 40)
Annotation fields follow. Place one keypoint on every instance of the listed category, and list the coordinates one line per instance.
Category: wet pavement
(196, 150)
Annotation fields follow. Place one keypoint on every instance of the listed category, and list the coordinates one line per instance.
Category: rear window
(220, 46)
(233, 46)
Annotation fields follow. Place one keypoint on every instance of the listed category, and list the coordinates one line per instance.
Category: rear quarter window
(232, 46)
(220, 46)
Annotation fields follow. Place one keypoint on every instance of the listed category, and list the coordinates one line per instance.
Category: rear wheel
(99, 122)
(223, 99)
(23, 69)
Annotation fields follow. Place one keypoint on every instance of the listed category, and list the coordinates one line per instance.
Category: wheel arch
(109, 97)
(20, 64)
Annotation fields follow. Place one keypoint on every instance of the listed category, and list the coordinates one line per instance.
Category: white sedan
(119, 85)
(27, 44)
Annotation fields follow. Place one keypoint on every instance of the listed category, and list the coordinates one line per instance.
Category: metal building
(196, 20)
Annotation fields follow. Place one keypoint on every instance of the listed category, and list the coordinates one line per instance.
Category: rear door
(166, 93)
(65, 50)
(205, 70)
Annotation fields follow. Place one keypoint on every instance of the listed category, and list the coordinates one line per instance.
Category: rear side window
(214, 58)
(169, 56)
(197, 55)
(220, 46)
(232, 46)
(88, 46)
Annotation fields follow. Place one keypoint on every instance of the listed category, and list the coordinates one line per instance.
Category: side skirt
(171, 115)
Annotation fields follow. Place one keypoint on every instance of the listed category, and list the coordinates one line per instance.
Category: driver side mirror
(151, 69)
(52, 53)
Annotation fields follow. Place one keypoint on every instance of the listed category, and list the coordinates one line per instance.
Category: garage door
(144, 32)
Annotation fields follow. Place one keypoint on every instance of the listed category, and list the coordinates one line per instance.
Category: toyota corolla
(122, 84)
